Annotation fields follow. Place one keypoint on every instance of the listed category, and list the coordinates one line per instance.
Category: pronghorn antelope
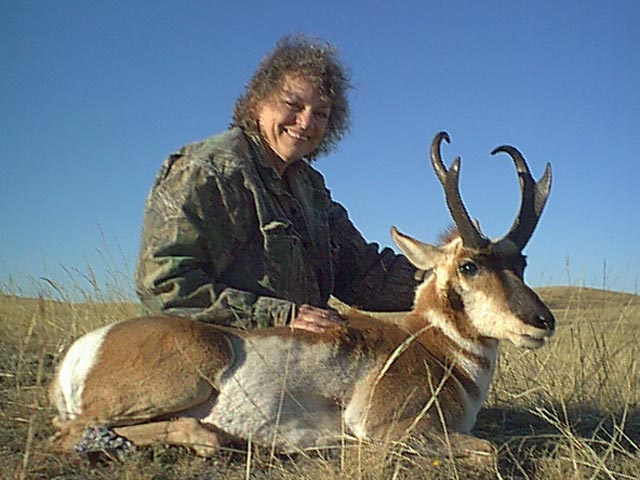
(178, 381)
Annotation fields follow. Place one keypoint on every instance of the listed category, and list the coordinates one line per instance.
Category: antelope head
(477, 282)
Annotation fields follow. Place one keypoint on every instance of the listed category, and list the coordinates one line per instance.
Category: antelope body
(178, 381)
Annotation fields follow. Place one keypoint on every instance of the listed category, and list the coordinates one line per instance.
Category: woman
(239, 229)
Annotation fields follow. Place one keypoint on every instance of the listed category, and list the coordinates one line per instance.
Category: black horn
(471, 236)
(533, 197)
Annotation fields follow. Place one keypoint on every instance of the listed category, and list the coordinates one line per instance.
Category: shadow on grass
(588, 435)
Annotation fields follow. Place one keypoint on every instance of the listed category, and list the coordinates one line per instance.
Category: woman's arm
(366, 277)
(190, 235)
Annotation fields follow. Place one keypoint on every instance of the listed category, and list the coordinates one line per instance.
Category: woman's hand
(317, 320)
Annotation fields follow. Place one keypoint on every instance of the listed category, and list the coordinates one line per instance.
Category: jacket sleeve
(366, 277)
(190, 235)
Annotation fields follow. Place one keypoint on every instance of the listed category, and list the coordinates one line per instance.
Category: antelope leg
(183, 431)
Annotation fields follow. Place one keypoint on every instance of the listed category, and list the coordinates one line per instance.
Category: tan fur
(172, 365)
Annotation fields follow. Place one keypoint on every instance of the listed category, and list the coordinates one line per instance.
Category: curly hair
(315, 60)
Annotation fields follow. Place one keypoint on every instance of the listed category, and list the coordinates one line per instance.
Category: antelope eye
(468, 269)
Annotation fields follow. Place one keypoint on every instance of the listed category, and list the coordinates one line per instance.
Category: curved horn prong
(471, 236)
(533, 197)
(436, 158)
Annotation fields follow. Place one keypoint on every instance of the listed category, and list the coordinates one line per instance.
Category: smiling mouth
(297, 136)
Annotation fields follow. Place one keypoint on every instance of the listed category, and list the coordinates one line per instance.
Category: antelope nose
(545, 321)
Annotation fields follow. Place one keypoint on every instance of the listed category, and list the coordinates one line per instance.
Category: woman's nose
(305, 118)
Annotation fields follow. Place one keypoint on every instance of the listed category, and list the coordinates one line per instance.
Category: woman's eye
(292, 104)
(468, 269)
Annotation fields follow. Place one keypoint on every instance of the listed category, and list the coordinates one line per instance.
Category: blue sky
(94, 94)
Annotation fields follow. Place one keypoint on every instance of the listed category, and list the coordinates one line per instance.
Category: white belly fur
(269, 395)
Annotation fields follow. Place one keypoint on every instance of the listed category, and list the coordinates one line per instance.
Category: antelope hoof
(473, 453)
(464, 450)
(205, 451)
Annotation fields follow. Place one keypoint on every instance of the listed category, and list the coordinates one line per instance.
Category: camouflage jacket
(225, 239)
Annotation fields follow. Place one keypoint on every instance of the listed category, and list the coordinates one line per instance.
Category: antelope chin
(530, 341)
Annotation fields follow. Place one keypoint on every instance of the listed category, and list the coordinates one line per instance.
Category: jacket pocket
(284, 269)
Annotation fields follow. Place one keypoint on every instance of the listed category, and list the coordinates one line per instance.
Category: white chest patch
(468, 359)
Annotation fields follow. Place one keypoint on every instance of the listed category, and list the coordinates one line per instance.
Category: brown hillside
(564, 297)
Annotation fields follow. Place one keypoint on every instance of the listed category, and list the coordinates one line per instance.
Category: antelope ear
(421, 255)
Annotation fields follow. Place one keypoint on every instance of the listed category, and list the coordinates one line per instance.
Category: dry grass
(568, 411)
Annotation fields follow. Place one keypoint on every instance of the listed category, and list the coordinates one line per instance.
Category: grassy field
(568, 411)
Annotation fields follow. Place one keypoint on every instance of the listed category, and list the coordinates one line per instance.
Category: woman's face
(293, 120)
